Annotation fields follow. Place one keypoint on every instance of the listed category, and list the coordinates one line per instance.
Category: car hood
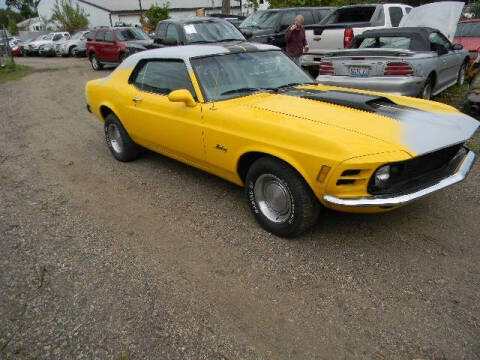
(40, 42)
(147, 44)
(443, 16)
(252, 32)
(416, 130)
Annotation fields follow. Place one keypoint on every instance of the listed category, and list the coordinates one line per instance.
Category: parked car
(407, 61)
(338, 29)
(269, 26)
(414, 61)
(468, 34)
(17, 48)
(30, 47)
(196, 30)
(45, 46)
(251, 116)
(80, 50)
(65, 48)
(110, 46)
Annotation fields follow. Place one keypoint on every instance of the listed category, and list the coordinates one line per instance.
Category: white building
(110, 12)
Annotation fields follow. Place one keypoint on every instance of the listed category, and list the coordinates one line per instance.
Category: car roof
(300, 8)
(469, 20)
(419, 36)
(188, 52)
(191, 20)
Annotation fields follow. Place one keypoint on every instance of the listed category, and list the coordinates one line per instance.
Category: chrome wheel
(273, 198)
(427, 91)
(461, 75)
(114, 137)
(95, 62)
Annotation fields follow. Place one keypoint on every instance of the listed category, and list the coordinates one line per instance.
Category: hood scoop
(352, 100)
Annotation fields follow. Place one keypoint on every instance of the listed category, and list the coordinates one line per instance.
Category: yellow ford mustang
(248, 114)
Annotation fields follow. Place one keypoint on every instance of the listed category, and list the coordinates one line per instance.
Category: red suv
(109, 46)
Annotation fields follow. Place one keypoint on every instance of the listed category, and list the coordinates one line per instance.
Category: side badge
(221, 148)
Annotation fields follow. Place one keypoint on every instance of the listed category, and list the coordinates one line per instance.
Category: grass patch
(10, 72)
(454, 96)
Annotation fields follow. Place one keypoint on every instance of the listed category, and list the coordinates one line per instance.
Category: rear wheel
(96, 64)
(119, 142)
(71, 51)
(279, 198)
(427, 89)
(462, 74)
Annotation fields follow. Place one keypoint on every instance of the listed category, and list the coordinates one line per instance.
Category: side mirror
(170, 42)
(182, 95)
(457, 47)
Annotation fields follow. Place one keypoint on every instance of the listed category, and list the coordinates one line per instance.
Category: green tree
(12, 27)
(71, 17)
(152, 16)
(26, 8)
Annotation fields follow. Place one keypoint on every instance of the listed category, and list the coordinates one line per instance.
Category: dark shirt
(295, 41)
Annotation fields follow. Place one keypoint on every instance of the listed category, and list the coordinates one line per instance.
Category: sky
(2, 4)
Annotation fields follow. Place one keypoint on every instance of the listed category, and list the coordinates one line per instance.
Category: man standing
(295, 38)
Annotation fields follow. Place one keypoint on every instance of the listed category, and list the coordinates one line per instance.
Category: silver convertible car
(413, 61)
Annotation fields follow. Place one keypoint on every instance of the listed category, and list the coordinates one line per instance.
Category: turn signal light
(322, 174)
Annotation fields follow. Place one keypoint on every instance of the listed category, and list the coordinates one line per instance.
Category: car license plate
(358, 71)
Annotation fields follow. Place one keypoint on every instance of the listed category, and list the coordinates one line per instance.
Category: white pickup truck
(337, 30)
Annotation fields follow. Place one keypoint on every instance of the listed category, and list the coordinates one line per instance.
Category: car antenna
(215, 91)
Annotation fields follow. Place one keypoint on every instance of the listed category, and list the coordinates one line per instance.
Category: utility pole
(141, 10)
(226, 7)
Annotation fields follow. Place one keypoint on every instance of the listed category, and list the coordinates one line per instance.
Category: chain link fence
(6, 56)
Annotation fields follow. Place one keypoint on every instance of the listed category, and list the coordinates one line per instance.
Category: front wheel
(461, 74)
(279, 198)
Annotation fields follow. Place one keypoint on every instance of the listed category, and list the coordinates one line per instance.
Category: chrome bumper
(391, 201)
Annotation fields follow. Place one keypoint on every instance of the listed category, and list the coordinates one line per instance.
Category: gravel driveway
(156, 260)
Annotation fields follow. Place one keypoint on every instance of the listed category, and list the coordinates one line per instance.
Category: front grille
(420, 172)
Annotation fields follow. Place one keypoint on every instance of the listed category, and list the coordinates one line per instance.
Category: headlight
(382, 175)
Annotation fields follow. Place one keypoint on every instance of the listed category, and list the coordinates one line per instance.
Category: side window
(307, 16)
(100, 35)
(172, 32)
(396, 15)
(57, 37)
(109, 37)
(288, 19)
(407, 10)
(163, 76)
(438, 40)
(90, 36)
(162, 30)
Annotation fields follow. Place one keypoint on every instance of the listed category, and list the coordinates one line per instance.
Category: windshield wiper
(244, 89)
(295, 84)
(229, 40)
(201, 42)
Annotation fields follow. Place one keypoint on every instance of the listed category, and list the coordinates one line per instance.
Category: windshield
(211, 31)
(227, 76)
(468, 29)
(261, 20)
(385, 42)
(350, 15)
(46, 37)
(128, 34)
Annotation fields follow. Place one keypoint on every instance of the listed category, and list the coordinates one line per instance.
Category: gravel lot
(156, 260)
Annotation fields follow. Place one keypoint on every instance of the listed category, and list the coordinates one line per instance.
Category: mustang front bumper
(401, 199)
(400, 85)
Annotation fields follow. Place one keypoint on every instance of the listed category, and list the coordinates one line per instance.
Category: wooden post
(226, 7)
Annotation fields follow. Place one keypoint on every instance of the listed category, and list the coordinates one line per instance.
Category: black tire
(119, 142)
(461, 74)
(96, 64)
(70, 51)
(267, 176)
(121, 57)
(427, 88)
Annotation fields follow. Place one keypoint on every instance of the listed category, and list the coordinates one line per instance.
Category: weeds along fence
(6, 56)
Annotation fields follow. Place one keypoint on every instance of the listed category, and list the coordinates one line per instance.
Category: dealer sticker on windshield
(189, 29)
(358, 71)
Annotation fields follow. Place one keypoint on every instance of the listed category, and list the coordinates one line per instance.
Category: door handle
(136, 99)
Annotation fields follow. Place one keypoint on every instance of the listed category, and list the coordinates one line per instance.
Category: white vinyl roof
(190, 51)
